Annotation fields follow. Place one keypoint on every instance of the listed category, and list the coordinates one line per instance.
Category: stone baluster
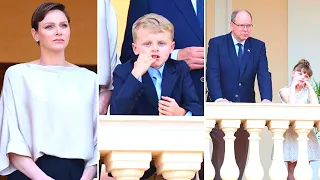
(303, 170)
(254, 169)
(127, 165)
(209, 171)
(317, 124)
(177, 165)
(278, 169)
(229, 169)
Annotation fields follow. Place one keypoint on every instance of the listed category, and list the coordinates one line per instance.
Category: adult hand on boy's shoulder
(141, 65)
(194, 56)
(169, 107)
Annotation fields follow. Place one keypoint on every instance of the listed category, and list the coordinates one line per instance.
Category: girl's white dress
(290, 144)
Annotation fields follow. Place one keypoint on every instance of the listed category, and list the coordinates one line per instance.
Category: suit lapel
(232, 52)
(246, 56)
(150, 89)
(169, 76)
(185, 7)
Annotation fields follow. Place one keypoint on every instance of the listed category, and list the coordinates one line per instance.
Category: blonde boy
(152, 83)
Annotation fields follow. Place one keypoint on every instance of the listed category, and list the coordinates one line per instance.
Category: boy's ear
(134, 48)
(172, 46)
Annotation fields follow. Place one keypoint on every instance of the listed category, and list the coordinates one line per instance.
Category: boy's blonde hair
(154, 22)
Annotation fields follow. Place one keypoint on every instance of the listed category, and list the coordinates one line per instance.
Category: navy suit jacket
(187, 30)
(227, 79)
(132, 97)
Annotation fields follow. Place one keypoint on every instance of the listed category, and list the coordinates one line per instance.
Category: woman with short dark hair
(48, 109)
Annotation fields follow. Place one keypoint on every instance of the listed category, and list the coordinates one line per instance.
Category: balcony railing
(129, 143)
(254, 117)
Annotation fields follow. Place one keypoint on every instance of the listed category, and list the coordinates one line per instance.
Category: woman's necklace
(43, 64)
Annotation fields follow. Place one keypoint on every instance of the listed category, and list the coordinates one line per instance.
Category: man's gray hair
(235, 13)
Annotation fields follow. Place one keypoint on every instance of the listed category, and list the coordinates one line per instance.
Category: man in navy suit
(234, 61)
(187, 18)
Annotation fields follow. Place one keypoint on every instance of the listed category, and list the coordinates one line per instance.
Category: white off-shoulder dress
(290, 144)
(48, 110)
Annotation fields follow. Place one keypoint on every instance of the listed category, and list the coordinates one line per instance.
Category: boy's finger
(164, 103)
(166, 98)
(163, 112)
(163, 107)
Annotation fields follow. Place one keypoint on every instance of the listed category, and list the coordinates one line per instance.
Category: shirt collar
(152, 71)
(235, 41)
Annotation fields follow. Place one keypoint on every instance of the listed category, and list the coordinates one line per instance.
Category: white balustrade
(254, 117)
(129, 143)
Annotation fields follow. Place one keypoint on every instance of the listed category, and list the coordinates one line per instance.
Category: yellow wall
(121, 8)
(272, 28)
(17, 44)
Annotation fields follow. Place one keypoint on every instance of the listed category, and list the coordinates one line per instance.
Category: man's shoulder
(255, 41)
(222, 39)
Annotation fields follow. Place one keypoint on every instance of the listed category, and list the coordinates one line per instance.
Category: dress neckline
(53, 67)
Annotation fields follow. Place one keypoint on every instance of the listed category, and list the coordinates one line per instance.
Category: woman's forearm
(28, 167)
(89, 173)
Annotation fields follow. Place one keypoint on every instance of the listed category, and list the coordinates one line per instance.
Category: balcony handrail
(262, 111)
(137, 118)
(167, 124)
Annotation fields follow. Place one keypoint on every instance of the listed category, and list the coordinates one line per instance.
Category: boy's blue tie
(157, 83)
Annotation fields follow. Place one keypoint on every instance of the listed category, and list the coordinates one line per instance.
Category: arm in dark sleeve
(213, 71)
(127, 90)
(190, 101)
(264, 76)
(137, 8)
